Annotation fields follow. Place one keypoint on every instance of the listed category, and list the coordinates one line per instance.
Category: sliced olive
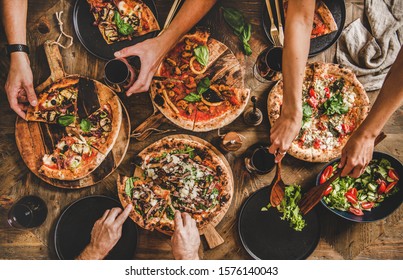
(159, 100)
(53, 102)
(211, 98)
(54, 159)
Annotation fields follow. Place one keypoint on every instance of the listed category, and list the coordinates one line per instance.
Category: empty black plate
(386, 207)
(91, 38)
(266, 237)
(73, 229)
(319, 44)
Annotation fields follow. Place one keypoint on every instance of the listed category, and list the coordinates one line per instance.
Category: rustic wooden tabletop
(340, 239)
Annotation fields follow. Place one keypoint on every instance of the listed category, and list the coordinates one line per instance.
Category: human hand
(356, 155)
(19, 84)
(105, 233)
(151, 53)
(186, 238)
(283, 132)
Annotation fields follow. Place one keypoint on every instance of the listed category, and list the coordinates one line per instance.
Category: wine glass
(28, 212)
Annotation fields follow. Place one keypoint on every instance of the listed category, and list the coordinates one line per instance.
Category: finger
(178, 220)
(187, 220)
(123, 216)
(273, 148)
(23, 107)
(113, 214)
(279, 157)
(29, 89)
(22, 99)
(104, 215)
(343, 159)
(347, 168)
(16, 108)
(357, 171)
(129, 51)
(143, 82)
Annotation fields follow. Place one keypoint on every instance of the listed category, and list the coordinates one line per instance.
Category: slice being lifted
(120, 20)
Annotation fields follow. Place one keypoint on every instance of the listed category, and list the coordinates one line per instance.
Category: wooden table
(340, 239)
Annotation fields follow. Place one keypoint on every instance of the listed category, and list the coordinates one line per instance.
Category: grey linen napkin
(371, 52)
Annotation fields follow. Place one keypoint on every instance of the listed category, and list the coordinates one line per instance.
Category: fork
(273, 29)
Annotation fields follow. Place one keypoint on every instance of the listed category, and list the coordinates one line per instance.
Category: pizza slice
(149, 200)
(57, 101)
(120, 20)
(323, 20)
(72, 158)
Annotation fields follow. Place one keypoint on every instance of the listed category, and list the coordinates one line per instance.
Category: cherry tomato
(390, 186)
(392, 174)
(326, 174)
(316, 144)
(312, 92)
(313, 102)
(367, 205)
(382, 187)
(328, 191)
(355, 211)
(327, 92)
(351, 198)
(353, 192)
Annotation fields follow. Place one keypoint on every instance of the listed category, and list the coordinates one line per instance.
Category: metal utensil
(273, 29)
(314, 195)
(280, 24)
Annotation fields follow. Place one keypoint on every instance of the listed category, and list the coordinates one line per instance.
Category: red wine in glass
(28, 212)
(269, 64)
(261, 161)
(120, 73)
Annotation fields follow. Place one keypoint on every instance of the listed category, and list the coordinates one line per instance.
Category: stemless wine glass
(260, 162)
(28, 212)
(268, 65)
(121, 73)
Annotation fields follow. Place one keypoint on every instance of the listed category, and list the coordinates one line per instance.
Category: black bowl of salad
(371, 197)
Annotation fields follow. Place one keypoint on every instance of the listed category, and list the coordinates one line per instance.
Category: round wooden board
(34, 139)
(217, 219)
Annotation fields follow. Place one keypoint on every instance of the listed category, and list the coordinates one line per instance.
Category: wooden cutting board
(213, 238)
(34, 139)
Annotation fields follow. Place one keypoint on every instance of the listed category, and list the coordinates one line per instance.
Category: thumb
(29, 89)
(129, 51)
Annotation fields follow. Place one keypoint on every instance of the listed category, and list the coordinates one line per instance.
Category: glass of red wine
(28, 212)
(260, 162)
(268, 65)
(121, 73)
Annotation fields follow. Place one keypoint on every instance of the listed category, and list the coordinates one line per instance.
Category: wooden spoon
(314, 195)
(277, 191)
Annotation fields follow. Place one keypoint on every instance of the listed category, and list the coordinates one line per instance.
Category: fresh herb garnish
(335, 105)
(85, 125)
(130, 185)
(266, 208)
(202, 54)
(123, 27)
(170, 213)
(192, 97)
(289, 207)
(306, 113)
(337, 85)
(66, 120)
(242, 29)
(202, 87)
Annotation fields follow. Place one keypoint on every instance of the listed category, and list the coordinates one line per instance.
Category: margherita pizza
(334, 105)
(177, 174)
(200, 84)
(120, 20)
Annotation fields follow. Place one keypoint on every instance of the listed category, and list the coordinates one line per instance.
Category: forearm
(190, 13)
(388, 101)
(14, 20)
(298, 28)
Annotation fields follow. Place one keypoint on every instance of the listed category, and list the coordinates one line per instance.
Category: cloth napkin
(370, 52)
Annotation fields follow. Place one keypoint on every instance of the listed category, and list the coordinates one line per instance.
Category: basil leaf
(192, 97)
(66, 120)
(85, 125)
(235, 19)
(335, 105)
(246, 34)
(129, 186)
(203, 85)
(306, 110)
(202, 54)
(123, 28)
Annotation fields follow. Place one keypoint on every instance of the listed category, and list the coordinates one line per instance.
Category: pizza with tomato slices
(334, 104)
(177, 173)
(323, 20)
(120, 20)
(199, 84)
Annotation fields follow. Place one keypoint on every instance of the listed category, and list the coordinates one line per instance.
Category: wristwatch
(16, 48)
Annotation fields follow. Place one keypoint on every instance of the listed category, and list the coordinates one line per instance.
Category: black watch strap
(16, 48)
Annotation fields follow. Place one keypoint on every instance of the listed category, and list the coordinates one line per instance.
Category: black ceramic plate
(318, 45)
(265, 236)
(387, 207)
(73, 229)
(91, 38)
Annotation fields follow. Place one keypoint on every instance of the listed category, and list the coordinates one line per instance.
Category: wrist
(366, 134)
(18, 57)
(293, 113)
(91, 253)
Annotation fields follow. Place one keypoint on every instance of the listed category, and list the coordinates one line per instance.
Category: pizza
(86, 136)
(199, 84)
(120, 20)
(177, 173)
(59, 100)
(334, 105)
(323, 20)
